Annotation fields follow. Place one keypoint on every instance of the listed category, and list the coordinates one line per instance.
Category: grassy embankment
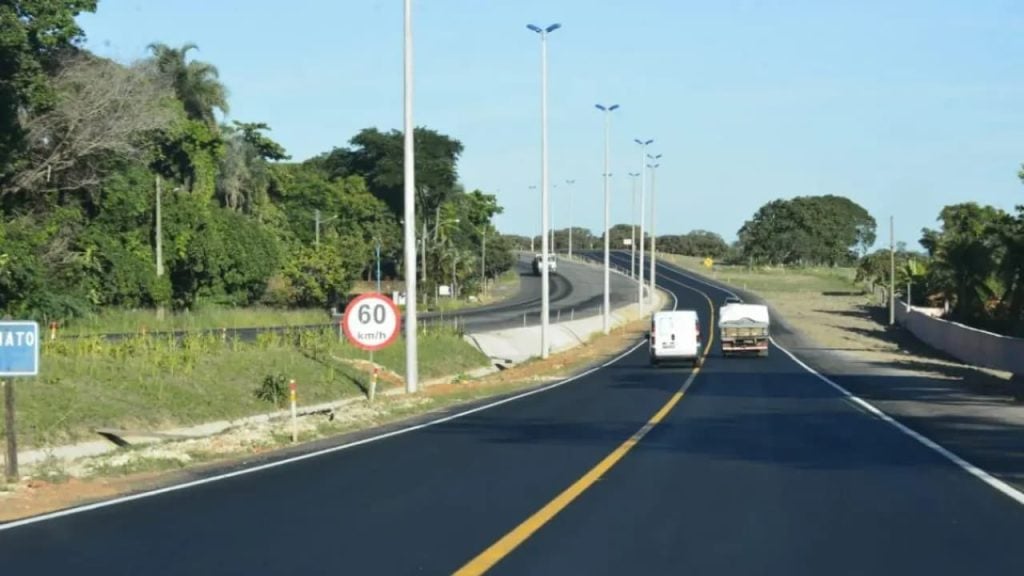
(825, 304)
(152, 383)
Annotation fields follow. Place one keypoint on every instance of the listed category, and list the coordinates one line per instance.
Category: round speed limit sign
(371, 321)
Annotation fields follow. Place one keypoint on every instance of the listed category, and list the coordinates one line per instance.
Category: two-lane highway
(760, 468)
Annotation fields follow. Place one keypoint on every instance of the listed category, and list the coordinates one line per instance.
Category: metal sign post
(372, 322)
(19, 356)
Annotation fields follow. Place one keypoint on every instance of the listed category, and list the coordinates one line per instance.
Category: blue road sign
(19, 349)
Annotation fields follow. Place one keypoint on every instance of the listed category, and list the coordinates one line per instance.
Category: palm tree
(196, 84)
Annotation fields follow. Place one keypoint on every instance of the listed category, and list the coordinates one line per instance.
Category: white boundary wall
(969, 345)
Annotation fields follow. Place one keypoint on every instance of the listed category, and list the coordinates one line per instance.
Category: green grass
(153, 383)
(137, 321)
(503, 287)
(769, 281)
(441, 353)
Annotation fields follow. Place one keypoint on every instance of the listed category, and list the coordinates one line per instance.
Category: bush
(274, 389)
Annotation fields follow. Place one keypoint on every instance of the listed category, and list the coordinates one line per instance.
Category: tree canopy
(91, 140)
(811, 230)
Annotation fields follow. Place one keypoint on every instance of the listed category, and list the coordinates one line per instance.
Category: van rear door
(666, 332)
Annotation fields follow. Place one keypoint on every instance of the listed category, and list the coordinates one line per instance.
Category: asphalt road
(761, 468)
(577, 289)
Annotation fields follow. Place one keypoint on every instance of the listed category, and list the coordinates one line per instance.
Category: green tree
(244, 175)
(196, 84)
(378, 157)
(815, 230)
(34, 35)
(965, 254)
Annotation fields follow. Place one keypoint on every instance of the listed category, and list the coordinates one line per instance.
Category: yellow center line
(510, 541)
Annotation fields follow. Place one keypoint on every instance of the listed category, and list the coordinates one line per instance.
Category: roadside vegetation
(87, 145)
(155, 383)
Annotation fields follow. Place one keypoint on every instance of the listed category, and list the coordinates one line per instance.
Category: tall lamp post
(653, 166)
(643, 184)
(607, 111)
(545, 294)
(409, 210)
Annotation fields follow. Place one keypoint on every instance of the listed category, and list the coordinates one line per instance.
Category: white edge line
(975, 471)
(194, 483)
(971, 469)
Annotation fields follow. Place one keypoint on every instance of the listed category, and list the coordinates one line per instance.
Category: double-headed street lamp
(643, 184)
(545, 307)
(653, 166)
(607, 110)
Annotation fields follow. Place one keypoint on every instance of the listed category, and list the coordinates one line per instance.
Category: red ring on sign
(351, 306)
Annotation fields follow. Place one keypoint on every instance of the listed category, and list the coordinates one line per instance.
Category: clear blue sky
(902, 106)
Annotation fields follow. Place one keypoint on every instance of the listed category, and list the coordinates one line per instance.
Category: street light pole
(545, 307)
(409, 195)
(569, 184)
(654, 237)
(607, 110)
(632, 228)
(643, 184)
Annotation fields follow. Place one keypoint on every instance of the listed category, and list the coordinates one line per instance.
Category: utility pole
(551, 220)
(159, 232)
(377, 242)
(316, 216)
(632, 227)
(159, 243)
(569, 184)
(483, 261)
(409, 195)
(892, 272)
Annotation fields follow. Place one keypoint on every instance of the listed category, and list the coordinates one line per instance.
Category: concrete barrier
(516, 345)
(969, 345)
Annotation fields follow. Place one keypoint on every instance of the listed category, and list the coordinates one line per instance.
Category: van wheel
(654, 361)
(698, 361)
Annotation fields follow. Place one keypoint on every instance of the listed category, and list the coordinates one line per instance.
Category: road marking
(195, 483)
(973, 470)
(976, 471)
(510, 541)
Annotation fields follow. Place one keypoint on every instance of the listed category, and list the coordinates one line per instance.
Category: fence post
(295, 415)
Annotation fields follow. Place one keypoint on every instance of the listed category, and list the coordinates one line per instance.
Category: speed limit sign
(371, 321)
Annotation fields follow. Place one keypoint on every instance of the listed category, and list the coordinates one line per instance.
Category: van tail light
(652, 339)
(696, 327)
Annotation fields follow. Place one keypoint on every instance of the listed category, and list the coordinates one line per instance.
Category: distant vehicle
(733, 300)
(552, 264)
(744, 328)
(674, 337)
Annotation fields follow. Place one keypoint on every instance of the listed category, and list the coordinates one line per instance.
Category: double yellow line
(510, 541)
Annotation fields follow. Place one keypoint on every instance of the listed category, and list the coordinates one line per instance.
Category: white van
(675, 336)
